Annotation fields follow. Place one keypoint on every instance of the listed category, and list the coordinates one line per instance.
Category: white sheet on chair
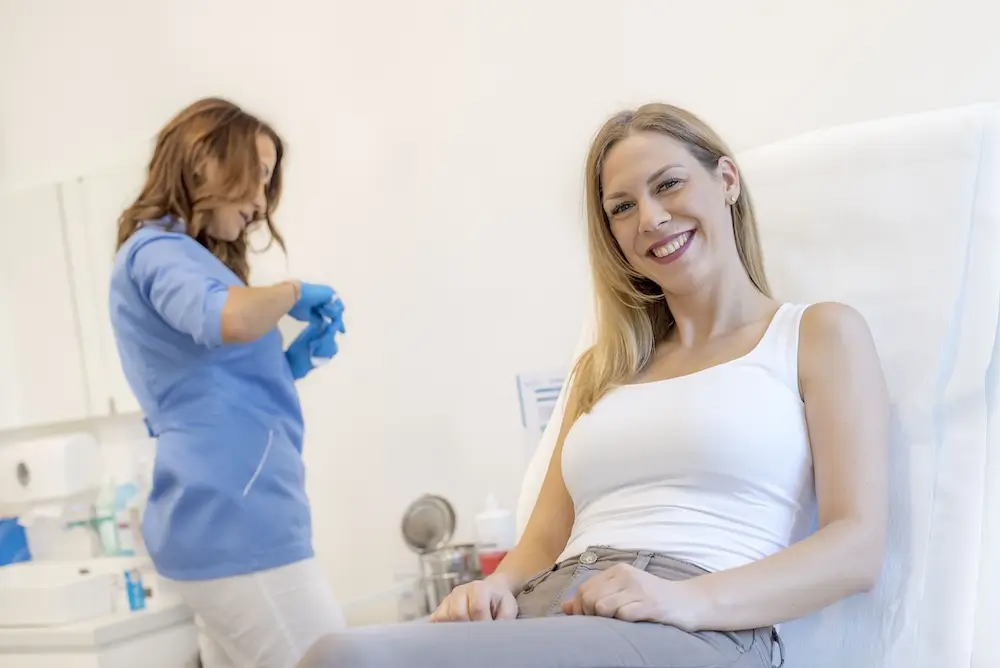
(901, 219)
(985, 650)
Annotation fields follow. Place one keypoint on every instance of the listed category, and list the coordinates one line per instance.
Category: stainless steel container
(446, 568)
(427, 526)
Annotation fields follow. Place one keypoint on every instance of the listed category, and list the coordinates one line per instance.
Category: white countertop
(98, 631)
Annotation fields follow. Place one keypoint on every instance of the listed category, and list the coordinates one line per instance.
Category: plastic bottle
(135, 591)
(137, 505)
(495, 533)
(104, 518)
(125, 498)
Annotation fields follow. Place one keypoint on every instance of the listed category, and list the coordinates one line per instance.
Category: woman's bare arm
(549, 526)
(847, 410)
(250, 313)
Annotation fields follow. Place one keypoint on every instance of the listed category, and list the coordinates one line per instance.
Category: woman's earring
(732, 200)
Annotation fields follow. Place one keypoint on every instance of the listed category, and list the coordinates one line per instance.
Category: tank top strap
(778, 350)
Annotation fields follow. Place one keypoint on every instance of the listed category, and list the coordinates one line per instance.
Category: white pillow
(901, 219)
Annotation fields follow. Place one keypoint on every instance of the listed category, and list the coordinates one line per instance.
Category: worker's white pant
(269, 618)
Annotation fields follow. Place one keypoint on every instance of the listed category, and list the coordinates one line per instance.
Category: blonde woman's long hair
(632, 313)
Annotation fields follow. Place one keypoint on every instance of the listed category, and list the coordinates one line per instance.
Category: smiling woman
(705, 430)
(228, 520)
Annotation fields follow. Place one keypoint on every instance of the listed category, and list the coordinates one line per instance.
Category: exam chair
(901, 219)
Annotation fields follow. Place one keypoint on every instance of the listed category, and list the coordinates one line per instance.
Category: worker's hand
(482, 600)
(334, 311)
(312, 297)
(325, 346)
(313, 346)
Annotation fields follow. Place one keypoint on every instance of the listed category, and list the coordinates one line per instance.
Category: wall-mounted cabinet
(42, 373)
(57, 355)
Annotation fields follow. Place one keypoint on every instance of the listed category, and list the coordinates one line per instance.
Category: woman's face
(231, 219)
(669, 215)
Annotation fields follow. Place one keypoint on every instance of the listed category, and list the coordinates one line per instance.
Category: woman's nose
(260, 202)
(651, 215)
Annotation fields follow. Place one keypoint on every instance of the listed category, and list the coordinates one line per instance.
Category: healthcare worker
(228, 521)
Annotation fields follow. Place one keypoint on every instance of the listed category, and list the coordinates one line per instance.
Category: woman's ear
(198, 173)
(193, 175)
(729, 174)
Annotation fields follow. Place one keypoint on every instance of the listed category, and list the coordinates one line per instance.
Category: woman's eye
(667, 185)
(620, 208)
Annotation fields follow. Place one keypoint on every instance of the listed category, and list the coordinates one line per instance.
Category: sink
(49, 594)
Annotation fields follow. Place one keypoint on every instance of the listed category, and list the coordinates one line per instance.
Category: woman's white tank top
(713, 468)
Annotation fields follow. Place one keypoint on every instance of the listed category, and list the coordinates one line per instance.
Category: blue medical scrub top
(228, 493)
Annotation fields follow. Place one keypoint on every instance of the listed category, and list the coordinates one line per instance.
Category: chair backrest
(901, 219)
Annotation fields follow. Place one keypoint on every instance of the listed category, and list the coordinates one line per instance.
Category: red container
(488, 561)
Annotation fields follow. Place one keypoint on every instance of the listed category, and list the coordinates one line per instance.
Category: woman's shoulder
(151, 231)
(158, 243)
(825, 320)
(830, 334)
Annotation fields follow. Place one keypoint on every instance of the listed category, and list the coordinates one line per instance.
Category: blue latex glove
(334, 312)
(325, 347)
(314, 346)
(313, 296)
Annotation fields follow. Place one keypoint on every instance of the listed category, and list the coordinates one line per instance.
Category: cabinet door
(94, 202)
(42, 377)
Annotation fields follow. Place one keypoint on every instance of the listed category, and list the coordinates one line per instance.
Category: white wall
(434, 176)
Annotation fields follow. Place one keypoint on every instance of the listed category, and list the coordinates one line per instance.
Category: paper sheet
(537, 393)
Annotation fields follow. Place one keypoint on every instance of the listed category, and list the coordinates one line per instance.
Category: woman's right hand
(482, 600)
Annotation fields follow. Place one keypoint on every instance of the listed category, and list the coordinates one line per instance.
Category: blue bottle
(134, 590)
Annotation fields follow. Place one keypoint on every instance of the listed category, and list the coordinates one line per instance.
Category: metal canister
(427, 527)
(446, 568)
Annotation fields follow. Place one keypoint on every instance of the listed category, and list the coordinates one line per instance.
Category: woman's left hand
(632, 595)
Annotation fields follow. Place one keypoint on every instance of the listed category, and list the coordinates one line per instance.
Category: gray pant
(543, 637)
